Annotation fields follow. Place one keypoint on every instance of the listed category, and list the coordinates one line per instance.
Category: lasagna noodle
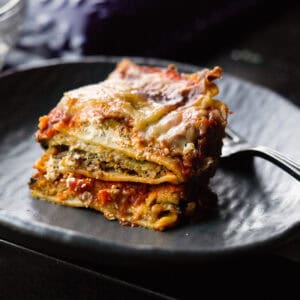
(132, 145)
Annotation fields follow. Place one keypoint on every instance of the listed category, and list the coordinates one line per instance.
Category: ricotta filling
(97, 163)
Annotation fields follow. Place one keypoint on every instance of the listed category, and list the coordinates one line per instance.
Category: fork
(234, 145)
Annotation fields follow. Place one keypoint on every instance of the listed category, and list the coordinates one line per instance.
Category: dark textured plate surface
(258, 204)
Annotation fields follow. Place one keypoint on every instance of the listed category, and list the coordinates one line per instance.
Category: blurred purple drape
(170, 29)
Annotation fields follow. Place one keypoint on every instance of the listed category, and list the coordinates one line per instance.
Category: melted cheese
(154, 103)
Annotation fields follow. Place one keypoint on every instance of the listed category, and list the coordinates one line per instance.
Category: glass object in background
(11, 13)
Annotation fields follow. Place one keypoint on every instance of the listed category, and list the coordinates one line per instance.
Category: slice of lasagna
(137, 147)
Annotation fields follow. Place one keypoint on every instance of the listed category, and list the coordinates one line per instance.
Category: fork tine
(232, 135)
(234, 144)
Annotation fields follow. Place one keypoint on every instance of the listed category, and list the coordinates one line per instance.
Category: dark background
(253, 40)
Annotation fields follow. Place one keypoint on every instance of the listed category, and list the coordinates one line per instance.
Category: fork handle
(278, 159)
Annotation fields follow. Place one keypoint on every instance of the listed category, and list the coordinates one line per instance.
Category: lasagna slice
(136, 146)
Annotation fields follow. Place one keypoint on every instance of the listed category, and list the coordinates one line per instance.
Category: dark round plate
(258, 204)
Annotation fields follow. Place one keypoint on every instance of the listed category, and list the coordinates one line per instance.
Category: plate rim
(141, 254)
(75, 239)
(138, 59)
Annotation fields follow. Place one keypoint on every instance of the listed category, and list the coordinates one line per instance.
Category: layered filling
(101, 163)
(137, 146)
(152, 206)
